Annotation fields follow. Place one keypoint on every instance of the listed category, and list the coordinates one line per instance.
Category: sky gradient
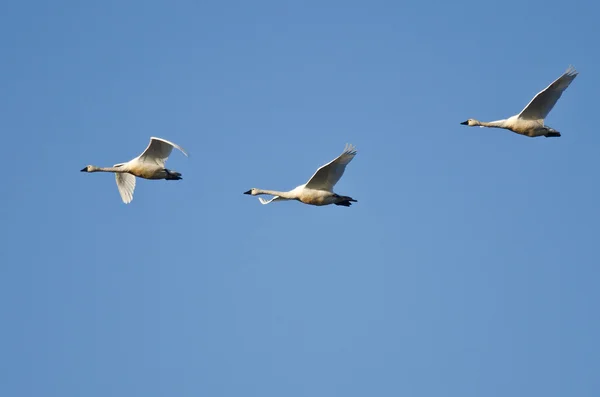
(468, 267)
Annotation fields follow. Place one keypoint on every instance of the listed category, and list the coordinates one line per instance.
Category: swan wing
(544, 101)
(126, 186)
(263, 201)
(158, 151)
(328, 175)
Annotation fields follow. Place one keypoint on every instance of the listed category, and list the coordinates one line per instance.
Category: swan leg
(346, 201)
(553, 134)
(172, 175)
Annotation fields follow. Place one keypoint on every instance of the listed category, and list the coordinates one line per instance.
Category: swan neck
(109, 169)
(287, 195)
(493, 124)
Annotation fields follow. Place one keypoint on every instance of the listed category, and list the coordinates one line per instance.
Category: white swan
(148, 165)
(530, 122)
(319, 189)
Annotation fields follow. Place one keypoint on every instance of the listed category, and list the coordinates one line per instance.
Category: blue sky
(468, 267)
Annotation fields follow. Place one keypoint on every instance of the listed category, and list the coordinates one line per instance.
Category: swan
(148, 165)
(530, 122)
(319, 189)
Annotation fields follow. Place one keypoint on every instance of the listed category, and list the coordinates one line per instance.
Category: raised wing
(126, 185)
(328, 175)
(158, 151)
(544, 101)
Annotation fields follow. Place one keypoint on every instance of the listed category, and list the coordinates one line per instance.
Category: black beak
(84, 170)
(465, 122)
(248, 192)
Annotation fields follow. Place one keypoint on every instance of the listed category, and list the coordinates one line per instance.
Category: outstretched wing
(544, 101)
(158, 151)
(126, 185)
(328, 175)
(263, 201)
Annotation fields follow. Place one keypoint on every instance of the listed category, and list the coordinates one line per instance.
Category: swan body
(530, 122)
(148, 165)
(319, 189)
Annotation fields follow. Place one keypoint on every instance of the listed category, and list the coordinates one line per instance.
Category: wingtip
(350, 149)
(181, 149)
(571, 71)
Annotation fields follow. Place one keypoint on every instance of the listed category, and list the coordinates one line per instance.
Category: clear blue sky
(468, 267)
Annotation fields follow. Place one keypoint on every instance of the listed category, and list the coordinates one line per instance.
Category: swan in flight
(319, 189)
(148, 165)
(530, 122)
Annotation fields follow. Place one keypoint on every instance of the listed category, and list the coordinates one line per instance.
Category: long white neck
(286, 195)
(109, 169)
(493, 124)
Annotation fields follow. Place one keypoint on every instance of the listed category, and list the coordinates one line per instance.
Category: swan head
(89, 168)
(252, 192)
(470, 122)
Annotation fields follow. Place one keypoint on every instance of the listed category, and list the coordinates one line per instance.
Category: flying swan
(319, 189)
(148, 165)
(530, 122)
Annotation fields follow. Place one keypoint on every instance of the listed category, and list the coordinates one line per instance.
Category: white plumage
(530, 122)
(148, 165)
(319, 188)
